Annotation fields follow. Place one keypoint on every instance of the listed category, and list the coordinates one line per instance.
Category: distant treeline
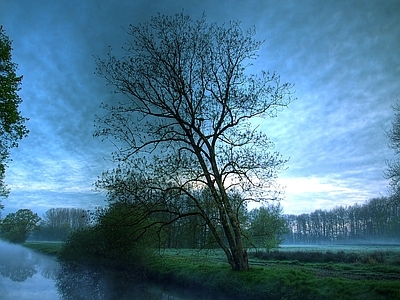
(58, 223)
(377, 220)
(263, 227)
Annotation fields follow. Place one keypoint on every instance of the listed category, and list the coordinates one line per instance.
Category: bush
(321, 257)
(123, 236)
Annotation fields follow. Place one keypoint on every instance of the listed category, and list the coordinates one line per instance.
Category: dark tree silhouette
(377, 220)
(186, 123)
(393, 167)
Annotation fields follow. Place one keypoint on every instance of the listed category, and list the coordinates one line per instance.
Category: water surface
(27, 275)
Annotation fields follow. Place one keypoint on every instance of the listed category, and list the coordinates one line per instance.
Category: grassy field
(48, 248)
(290, 278)
(346, 248)
(290, 273)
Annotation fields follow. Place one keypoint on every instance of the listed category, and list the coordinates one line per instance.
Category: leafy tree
(12, 127)
(187, 121)
(16, 227)
(122, 235)
(267, 226)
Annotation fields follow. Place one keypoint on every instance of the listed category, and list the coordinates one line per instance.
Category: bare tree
(187, 121)
(393, 170)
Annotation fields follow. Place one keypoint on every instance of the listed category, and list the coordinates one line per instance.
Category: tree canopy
(266, 227)
(12, 128)
(119, 237)
(187, 123)
(17, 226)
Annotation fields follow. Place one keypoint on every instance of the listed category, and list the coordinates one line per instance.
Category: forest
(264, 226)
(375, 221)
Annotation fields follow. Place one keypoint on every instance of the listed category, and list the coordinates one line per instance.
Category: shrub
(322, 257)
(123, 236)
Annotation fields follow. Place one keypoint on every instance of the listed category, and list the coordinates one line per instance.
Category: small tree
(266, 227)
(12, 127)
(186, 122)
(16, 227)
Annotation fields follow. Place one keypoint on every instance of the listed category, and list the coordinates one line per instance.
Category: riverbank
(208, 274)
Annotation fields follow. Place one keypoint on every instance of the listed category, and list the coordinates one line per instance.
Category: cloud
(341, 56)
(306, 194)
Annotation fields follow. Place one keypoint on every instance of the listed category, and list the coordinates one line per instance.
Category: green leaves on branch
(16, 227)
(121, 236)
(266, 227)
(12, 128)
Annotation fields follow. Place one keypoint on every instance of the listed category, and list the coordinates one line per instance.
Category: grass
(291, 276)
(48, 248)
(273, 282)
(271, 279)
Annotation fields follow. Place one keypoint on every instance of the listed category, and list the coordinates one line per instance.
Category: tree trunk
(235, 253)
(240, 260)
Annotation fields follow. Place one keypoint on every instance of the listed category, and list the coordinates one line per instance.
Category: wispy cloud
(306, 194)
(341, 56)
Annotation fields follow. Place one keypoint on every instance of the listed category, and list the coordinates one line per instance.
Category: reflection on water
(26, 275)
(76, 282)
(17, 270)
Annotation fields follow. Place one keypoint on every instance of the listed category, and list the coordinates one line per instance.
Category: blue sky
(342, 56)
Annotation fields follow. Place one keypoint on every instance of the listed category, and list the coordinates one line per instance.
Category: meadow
(290, 272)
(48, 248)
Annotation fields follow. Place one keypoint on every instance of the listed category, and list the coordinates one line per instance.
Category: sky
(342, 57)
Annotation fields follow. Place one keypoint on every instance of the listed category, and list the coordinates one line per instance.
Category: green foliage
(123, 235)
(266, 227)
(12, 127)
(16, 227)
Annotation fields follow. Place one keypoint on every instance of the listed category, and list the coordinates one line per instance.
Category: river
(27, 275)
